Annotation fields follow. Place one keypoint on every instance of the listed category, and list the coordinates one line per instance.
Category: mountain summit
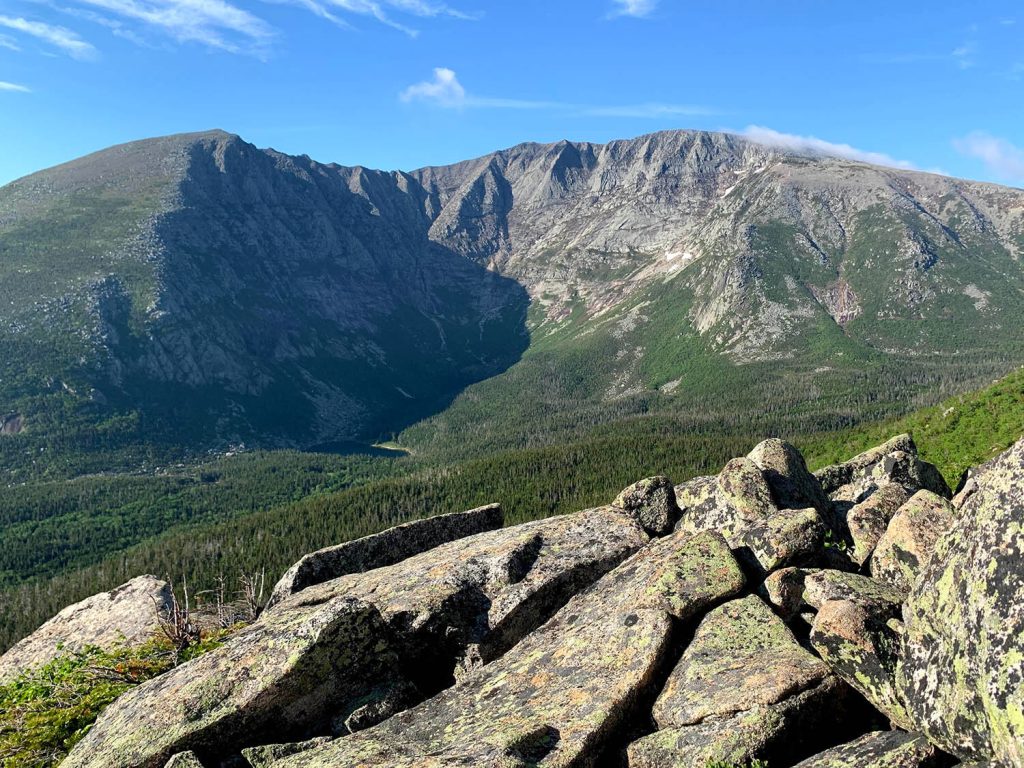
(213, 291)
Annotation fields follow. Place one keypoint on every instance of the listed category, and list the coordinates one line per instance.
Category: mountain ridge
(292, 302)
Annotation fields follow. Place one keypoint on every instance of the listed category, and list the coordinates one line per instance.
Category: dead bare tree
(175, 621)
(251, 590)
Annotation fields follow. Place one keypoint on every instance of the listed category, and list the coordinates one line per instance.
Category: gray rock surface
(868, 520)
(909, 541)
(821, 586)
(126, 614)
(881, 749)
(558, 695)
(788, 537)
(331, 648)
(266, 755)
(742, 656)
(777, 734)
(792, 484)
(652, 503)
(184, 760)
(385, 548)
(963, 663)
(736, 499)
(861, 644)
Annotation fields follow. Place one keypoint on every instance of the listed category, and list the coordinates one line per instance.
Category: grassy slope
(960, 432)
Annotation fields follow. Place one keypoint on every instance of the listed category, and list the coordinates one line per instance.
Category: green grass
(45, 711)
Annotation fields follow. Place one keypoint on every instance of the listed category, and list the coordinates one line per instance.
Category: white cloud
(5, 86)
(964, 55)
(815, 146)
(1004, 159)
(444, 90)
(635, 8)
(61, 37)
(8, 43)
(381, 10)
(212, 22)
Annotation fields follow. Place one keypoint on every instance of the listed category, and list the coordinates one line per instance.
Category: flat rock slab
(272, 676)
(557, 696)
(963, 670)
(778, 733)
(324, 651)
(126, 614)
(881, 749)
(821, 586)
(385, 548)
(742, 656)
(910, 538)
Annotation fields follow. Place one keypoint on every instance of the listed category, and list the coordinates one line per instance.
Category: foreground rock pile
(857, 617)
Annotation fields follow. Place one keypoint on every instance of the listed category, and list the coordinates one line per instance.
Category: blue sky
(404, 83)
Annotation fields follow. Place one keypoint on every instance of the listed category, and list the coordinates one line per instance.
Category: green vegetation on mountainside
(228, 536)
(46, 711)
(959, 433)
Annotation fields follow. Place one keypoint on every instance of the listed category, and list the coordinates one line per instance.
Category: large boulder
(962, 675)
(861, 644)
(868, 520)
(777, 734)
(895, 461)
(323, 654)
(736, 499)
(742, 656)
(556, 698)
(128, 614)
(881, 749)
(792, 484)
(909, 540)
(652, 503)
(385, 548)
(744, 689)
(786, 538)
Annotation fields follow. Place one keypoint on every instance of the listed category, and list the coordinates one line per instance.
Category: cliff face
(227, 292)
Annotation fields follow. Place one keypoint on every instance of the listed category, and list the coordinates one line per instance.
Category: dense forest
(261, 511)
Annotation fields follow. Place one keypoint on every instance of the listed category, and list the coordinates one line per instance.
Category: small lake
(350, 447)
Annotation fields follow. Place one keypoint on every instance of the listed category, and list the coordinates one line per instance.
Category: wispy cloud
(60, 37)
(445, 90)
(383, 11)
(1003, 159)
(815, 146)
(14, 87)
(650, 110)
(9, 43)
(636, 8)
(215, 23)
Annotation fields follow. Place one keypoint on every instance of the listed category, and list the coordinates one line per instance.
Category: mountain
(199, 290)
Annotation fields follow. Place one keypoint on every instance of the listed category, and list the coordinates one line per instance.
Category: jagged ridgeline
(195, 290)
